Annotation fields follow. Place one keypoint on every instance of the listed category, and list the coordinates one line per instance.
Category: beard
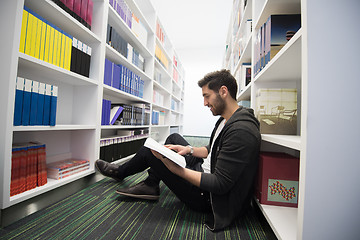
(218, 107)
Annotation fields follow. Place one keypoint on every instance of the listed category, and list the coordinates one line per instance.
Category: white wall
(197, 29)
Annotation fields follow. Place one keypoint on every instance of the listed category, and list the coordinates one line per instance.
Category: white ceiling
(194, 23)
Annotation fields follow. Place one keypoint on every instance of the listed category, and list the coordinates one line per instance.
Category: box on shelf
(276, 110)
(278, 179)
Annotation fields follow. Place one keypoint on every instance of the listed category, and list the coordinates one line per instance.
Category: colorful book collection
(272, 36)
(161, 57)
(160, 33)
(158, 117)
(139, 29)
(243, 75)
(123, 10)
(122, 78)
(174, 105)
(158, 98)
(124, 114)
(65, 168)
(242, 41)
(41, 39)
(81, 10)
(117, 147)
(28, 167)
(35, 103)
(136, 58)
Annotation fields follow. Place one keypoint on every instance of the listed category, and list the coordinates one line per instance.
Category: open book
(173, 156)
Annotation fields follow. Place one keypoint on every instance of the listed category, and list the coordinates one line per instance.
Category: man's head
(219, 88)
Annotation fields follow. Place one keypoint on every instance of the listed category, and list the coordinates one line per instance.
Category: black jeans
(189, 194)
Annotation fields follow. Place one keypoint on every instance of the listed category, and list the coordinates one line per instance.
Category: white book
(173, 156)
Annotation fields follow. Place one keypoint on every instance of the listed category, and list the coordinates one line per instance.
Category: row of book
(122, 78)
(65, 168)
(81, 10)
(242, 39)
(35, 103)
(115, 40)
(174, 105)
(124, 114)
(123, 10)
(161, 57)
(272, 36)
(158, 117)
(238, 13)
(117, 147)
(43, 40)
(160, 33)
(158, 98)
(28, 167)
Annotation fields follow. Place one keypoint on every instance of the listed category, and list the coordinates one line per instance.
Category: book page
(173, 156)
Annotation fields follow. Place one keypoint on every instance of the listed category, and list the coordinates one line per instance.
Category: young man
(218, 178)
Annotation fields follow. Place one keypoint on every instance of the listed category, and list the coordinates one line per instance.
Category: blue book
(40, 106)
(34, 102)
(47, 100)
(108, 72)
(122, 78)
(53, 105)
(26, 103)
(114, 113)
(103, 112)
(116, 77)
(19, 98)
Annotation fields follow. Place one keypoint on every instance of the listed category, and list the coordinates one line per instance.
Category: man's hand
(173, 167)
(182, 150)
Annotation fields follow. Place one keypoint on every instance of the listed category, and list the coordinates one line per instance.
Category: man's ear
(223, 91)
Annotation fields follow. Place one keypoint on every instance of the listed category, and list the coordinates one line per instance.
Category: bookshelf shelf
(79, 128)
(289, 141)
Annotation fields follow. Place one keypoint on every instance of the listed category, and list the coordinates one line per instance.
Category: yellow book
(47, 43)
(38, 38)
(55, 50)
(42, 44)
(23, 31)
(29, 33)
(68, 49)
(51, 44)
(62, 50)
(33, 36)
(58, 53)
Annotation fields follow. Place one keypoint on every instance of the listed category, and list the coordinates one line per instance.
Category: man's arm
(200, 152)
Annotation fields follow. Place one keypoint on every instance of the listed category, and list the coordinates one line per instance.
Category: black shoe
(108, 169)
(142, 191)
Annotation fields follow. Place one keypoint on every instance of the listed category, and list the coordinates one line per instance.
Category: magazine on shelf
(173, 156)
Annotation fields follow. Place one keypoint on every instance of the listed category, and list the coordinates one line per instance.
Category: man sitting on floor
(218, 178)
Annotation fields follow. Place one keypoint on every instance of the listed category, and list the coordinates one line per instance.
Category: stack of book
(28, 167)
(43, 40)
(35, 103)
(158, 117)
(65, 168)
(122, 78)
(81, 10)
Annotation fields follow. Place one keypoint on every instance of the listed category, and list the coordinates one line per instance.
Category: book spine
(53, 105)
(40, 107)
(34, 102)
(19, 98)
(47, 101)
(24, 24)
(26, 103)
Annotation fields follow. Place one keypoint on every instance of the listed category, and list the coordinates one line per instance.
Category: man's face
(213, 101)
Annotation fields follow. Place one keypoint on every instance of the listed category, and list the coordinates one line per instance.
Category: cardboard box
(278, 179)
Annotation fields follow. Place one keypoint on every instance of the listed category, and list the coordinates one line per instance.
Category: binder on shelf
(28, 41)
(26, 103)
(40, 107)
(53, 105)
(89, 13)
(47, 101)
(42, 40)
(23, 31)
(68, 49)
(34, 102)
(19, 99)
(108, 72)
(116, 76)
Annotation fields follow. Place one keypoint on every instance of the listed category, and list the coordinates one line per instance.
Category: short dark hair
(216, 79)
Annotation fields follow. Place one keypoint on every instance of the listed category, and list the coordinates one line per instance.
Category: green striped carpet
(97, 212)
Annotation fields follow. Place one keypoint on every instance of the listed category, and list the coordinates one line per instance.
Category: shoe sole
(146, 197)
(117, 179)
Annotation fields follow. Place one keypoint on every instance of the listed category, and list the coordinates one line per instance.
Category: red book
(31, 167)
(40, 176)
(89, 12)
(77, 7)
(278, 179)
(15, 184)
(83, 9)
(70, 4)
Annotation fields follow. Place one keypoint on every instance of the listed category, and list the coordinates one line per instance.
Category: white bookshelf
(78, 127)
(306, 64)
